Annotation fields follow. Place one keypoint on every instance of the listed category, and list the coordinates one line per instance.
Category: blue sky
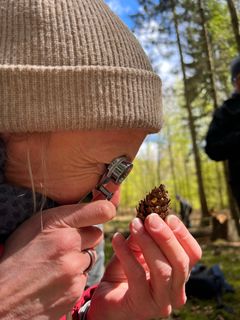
(123, 8)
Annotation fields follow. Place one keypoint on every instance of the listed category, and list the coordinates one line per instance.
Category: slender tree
(235, 22)
(219, 184)
(209, 56)
(158, 167)
(187, 178)
(192, 128)
(172, 164)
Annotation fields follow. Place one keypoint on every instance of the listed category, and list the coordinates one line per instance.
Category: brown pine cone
(157, 201)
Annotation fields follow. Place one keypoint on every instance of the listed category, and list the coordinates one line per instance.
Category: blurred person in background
(185, 210)
(223, 136)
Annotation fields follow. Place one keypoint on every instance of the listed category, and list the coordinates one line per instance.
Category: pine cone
(157, 201)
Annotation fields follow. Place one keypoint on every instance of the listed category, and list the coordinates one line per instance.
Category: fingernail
(137, 225)
(118, 237)
(173, 221)
(155, 222)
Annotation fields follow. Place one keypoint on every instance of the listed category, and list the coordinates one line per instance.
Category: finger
(114, 271)
(92, 256)
(133, 270)
(90, 237)
(79, 215)
(175, 254)
(124, 267)
(171, 248)
(70, 240)
(185, 238)
(159, 267)
(77, 263)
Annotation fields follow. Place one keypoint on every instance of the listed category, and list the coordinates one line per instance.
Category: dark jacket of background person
(185, 210)
(223, 140)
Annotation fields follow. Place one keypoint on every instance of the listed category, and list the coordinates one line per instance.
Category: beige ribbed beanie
(72, 64)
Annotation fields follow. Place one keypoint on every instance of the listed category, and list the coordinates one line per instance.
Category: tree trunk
(235, 22)
(232, 202)
(158, 169)
(219, 186)
(172, 163)
(198, 166)
(171, 160)
(187, 178)
(209, 55)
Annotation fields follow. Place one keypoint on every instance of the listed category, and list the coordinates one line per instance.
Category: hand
(42, 269)
(147, 277)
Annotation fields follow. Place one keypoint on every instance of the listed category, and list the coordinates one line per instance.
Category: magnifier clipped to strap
(116, 172)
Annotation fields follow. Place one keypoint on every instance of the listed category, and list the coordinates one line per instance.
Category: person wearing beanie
(78, 96)
(223, 136)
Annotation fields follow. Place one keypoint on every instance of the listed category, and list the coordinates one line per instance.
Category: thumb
(79, 215)
(114, 271)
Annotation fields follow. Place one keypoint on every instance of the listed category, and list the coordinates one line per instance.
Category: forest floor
(225, 254)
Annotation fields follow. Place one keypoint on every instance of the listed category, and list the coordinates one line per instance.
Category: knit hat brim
(42, 98)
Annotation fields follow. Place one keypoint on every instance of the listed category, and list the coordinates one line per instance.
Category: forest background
(190, 44)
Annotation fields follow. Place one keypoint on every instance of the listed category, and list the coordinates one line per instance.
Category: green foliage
(169, 159)
(223, 42)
